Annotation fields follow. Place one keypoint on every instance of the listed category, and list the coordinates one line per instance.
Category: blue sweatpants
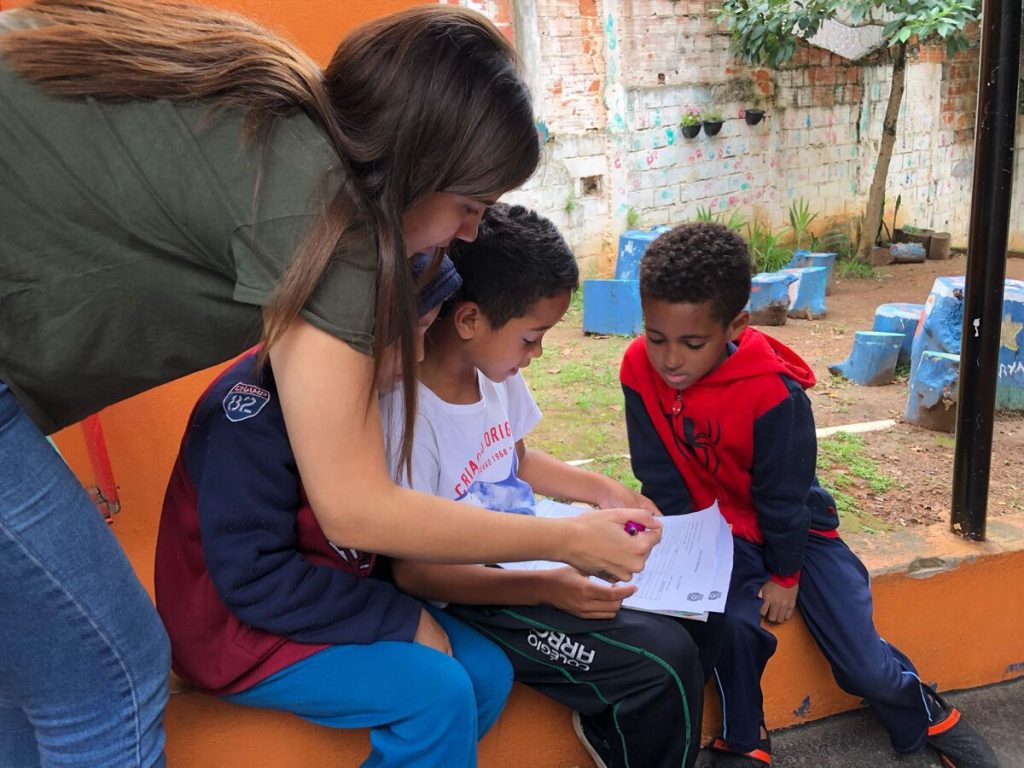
(424, 709)
(835, 602)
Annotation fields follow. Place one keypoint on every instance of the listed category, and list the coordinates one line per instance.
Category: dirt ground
(920, 461)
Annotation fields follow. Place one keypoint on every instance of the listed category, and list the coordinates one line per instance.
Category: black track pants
(636, 680)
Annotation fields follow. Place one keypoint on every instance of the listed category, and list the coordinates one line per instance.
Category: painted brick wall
(612, 78)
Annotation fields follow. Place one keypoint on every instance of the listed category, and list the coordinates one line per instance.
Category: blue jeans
(84, 658)
(424, 709)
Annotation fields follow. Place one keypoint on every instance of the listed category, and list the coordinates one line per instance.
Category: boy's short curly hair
(518, 258)
(698, 262)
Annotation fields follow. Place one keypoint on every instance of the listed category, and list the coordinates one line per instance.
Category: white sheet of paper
(686, 574)
(680, 572)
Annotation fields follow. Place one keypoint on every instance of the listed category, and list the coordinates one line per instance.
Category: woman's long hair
(426, 100)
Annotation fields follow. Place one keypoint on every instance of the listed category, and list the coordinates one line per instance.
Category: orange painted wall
(315, 25)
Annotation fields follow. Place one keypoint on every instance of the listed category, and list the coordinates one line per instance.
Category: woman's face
(440, 218)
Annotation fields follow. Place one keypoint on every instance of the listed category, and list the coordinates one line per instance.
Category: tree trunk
(876, 196)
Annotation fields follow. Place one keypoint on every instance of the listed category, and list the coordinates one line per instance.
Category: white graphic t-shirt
(468, 452)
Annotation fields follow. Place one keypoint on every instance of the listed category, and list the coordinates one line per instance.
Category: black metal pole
(995, 125)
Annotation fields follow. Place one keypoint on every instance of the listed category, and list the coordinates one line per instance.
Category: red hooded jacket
(744, 435)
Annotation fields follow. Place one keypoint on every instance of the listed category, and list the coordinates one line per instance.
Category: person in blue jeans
(262, 609)
(55, 547)
(164, 209)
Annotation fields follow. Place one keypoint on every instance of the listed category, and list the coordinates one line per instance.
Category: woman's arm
(238, 477)
(563, 588)
(334, 429)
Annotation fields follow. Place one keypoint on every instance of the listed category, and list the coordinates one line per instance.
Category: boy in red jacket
(716, 410)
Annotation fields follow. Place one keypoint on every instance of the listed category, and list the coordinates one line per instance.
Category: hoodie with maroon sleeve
(246, 581)
(744, 435)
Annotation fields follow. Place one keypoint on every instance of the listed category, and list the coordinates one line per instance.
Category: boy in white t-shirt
(635, 680)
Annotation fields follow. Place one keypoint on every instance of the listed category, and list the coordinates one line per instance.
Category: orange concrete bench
(944, 601)
(203, 731)
(947, 611)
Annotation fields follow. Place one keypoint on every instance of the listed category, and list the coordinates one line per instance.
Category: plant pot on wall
(712, 127)
(753, 116)
(690, 131)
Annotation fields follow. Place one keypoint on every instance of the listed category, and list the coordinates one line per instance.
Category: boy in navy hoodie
(263, 610)
(716, 410)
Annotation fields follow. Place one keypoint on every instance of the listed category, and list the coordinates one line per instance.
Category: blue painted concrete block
(899, 318)
(933, 397)
(872, 361)
(612, 307)
(812, 259)
(769, 298)
(632, 245)
(807, 294)
(941, 326)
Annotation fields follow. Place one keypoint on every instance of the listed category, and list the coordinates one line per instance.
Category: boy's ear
(738, 324)
(467, 318)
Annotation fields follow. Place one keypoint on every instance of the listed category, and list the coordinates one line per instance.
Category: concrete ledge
(953, 606)
(202, 731)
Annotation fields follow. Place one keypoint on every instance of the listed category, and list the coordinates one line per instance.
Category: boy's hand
(574, 593)
(615, 494)
(779, 602)
(432, 634)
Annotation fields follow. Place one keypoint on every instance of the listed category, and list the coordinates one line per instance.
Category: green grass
(576, 385)
(617, 467)
(851, 268)
(902, 373)
(844, 463)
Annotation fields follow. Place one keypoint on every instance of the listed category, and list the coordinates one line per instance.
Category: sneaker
(724, 756)
(590, 741)
(958, 744)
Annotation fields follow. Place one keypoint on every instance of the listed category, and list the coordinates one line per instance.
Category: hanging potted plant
(691, 122)
(753, 116)
(712, 122)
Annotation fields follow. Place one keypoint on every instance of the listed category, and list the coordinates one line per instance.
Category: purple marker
(633, 528)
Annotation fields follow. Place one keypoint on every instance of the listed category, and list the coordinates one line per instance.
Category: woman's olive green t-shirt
(135, 249)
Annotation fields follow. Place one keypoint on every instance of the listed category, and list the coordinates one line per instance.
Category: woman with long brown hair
(176, 183)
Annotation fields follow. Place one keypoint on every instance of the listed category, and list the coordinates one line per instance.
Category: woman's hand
(572, 592)
(432, 634)
(597, 542)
